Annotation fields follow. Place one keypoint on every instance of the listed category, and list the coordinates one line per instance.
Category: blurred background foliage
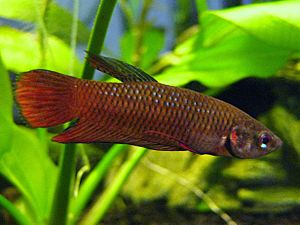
(246, 55)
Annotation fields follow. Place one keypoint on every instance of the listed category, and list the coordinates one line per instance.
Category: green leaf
(250, 172)
(23, 10)
(23, 161)
(127, 46)
(13, 211)
(234, 59)
(6, 95)
(288, 129)
(152, 44)
(149, 185)
(25, 164)
(59, 23)
(271, 198)
(5, 108)
(275, 23)
(58, 20)
(233, 44)
(20, 52)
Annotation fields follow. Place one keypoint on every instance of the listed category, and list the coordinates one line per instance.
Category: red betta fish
(140, 111)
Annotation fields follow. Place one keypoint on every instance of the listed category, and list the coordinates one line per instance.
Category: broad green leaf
(20, 52)
(5, 107)
(254, 40)
(6, 95)
(272, 198)
(23, 161)
(288, 129)
(127, 46)
(276, 23)
(235, 58)
(58, 20)
(25, 164)
(152, 43)
(23, 10)
(59, 23)
(150, 185)
(250, 172)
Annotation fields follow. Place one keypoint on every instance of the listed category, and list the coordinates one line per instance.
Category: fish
(139, 111)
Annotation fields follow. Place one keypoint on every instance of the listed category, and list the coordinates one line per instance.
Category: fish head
(252, 141)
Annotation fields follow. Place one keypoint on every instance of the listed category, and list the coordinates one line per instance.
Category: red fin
(45, 98)
(85, 131)
(167, 140)
(186, 147)
(78, 132)
(156, 146)
(118, 69)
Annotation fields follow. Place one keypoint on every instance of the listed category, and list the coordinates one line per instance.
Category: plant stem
(98, 33)
(141, 27)
(201, 6)
(13, 211)
(92, 182)
(62, 194)
(102, 204)
(74, 32)
(59, 210)
(124, 5)
(41, 9)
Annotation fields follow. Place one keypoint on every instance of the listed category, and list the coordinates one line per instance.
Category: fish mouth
(279, 143)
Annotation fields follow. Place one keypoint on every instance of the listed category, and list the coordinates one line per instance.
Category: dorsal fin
(118, 69)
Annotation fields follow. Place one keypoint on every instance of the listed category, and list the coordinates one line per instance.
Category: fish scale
(168, 118)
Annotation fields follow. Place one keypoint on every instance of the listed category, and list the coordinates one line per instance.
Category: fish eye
(264, 140)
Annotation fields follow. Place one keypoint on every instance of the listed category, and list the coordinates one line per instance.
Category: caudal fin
(45, 98)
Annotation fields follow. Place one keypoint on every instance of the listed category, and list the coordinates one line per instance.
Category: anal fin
(163, 139)
(85, 131)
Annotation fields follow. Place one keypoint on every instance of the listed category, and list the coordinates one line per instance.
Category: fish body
(139, 111)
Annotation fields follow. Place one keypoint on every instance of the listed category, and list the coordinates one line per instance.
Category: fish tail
(45, 98)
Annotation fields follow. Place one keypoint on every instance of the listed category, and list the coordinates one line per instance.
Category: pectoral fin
(118, 69)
